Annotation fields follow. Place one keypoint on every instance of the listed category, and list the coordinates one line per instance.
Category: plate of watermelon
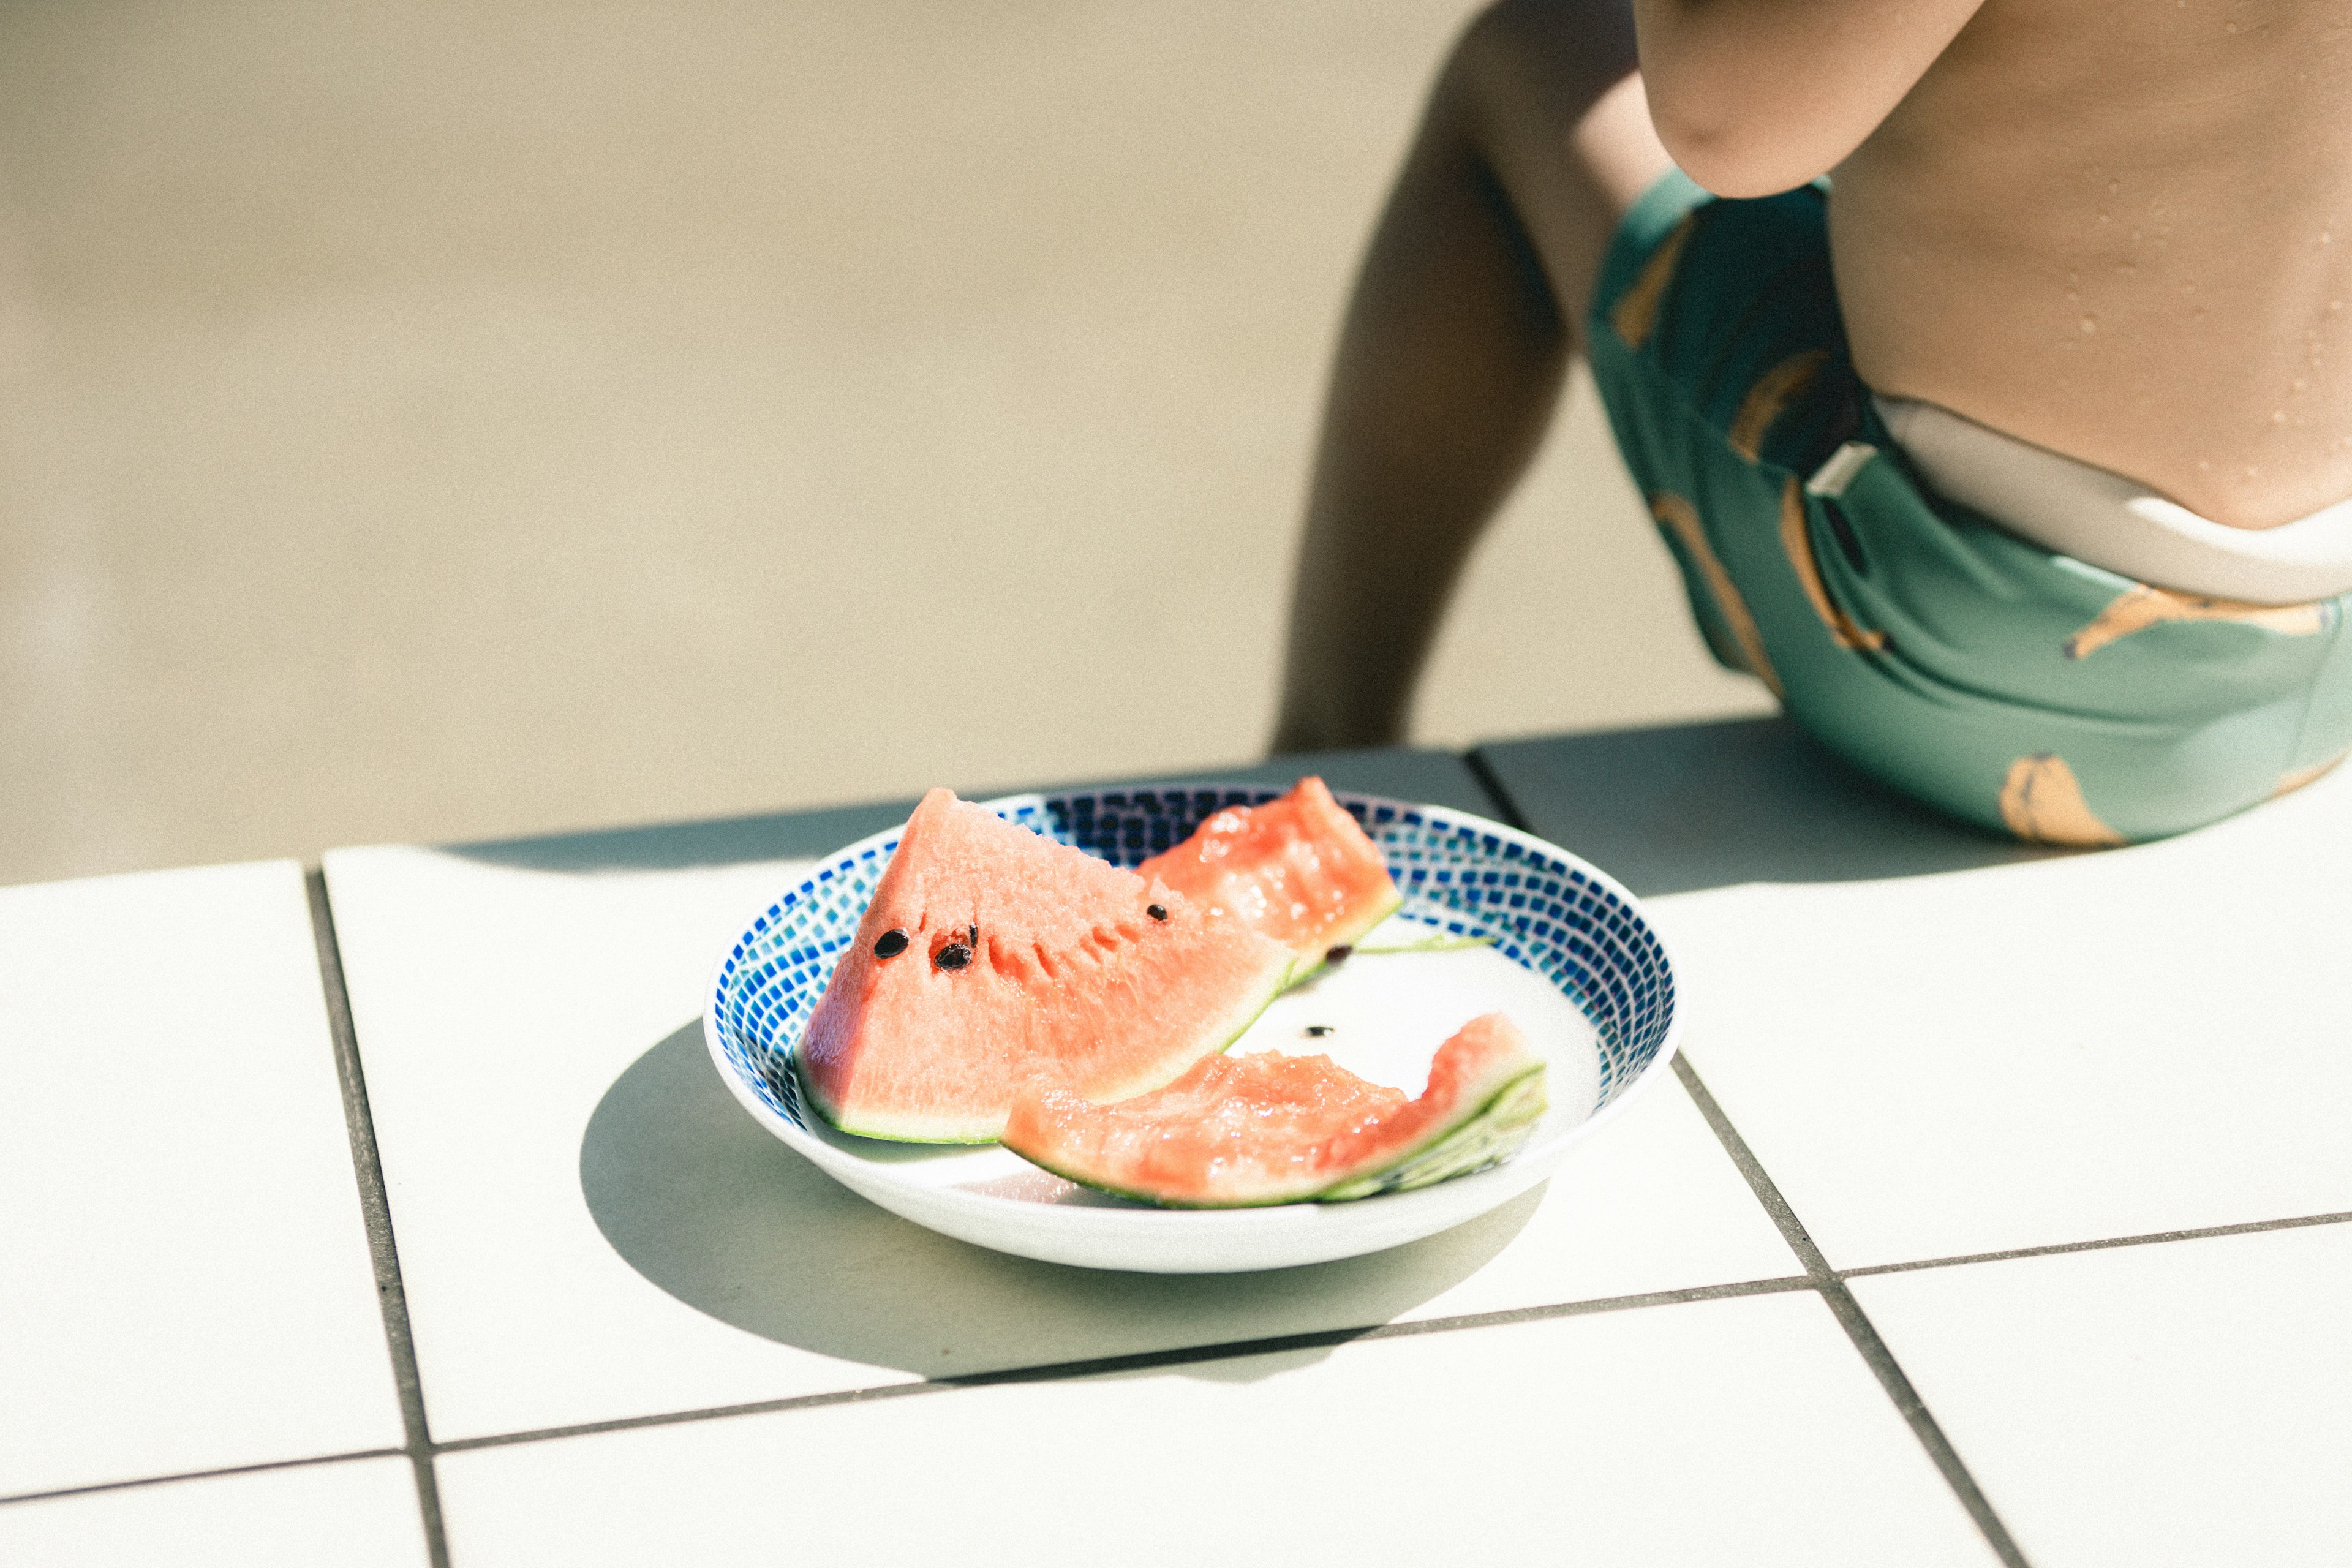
(1195, 1029)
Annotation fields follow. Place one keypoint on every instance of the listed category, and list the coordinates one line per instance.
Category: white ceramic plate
(1574, 964)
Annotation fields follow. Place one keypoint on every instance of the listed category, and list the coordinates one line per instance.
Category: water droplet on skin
(2115, 187)
(2278, 415)
(2088, 324)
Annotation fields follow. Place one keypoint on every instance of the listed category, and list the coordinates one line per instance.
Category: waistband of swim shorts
(2105, 520)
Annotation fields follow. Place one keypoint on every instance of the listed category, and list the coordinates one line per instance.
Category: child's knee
(1520, 58)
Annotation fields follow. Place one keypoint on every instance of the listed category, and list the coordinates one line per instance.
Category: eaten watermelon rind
(1501, 1123)
(1493, 1133)
(1303, 972)
(1349, 932)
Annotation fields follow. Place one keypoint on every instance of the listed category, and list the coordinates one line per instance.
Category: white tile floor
(2165, 1406)
(592, 1234)
(2094, 1045)
(184, 1281)
(1717, 1432)
(360, 1513)
(573, 1189)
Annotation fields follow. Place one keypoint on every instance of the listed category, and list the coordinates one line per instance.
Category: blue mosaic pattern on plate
(1458, 874)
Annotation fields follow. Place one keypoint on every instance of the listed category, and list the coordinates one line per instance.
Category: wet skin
(2122, 231)
(2119, 229)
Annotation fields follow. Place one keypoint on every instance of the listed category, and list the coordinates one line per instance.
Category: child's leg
(1458, 334)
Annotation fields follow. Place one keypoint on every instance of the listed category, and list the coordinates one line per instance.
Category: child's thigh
(1549, 91)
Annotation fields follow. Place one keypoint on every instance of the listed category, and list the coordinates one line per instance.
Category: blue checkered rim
(1461, 874)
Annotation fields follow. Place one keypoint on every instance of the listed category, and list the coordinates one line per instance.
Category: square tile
(2171, 1406)
(360, 1513)
(2066, 1047)
(187, 1281)
(1731, 1432)
(591, 1229)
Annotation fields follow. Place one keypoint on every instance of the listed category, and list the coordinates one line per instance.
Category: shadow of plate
(701, 1200)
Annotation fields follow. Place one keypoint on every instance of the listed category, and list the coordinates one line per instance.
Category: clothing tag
(1832, 476)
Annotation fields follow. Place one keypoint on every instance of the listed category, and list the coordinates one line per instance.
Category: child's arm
(1753, 97)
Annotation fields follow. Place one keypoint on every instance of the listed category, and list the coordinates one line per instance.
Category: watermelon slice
(989, 951)
(1297, 869)
(1265, 1129)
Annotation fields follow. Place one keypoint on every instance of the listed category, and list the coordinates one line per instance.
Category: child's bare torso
(2123, 229)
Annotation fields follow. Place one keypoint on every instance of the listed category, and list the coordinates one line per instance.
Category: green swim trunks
(2015, 688)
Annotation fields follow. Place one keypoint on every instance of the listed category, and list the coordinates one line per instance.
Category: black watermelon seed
(955, 955)
(1157, 912)
(1318, 1030)
(890, 944)
(1337, 955)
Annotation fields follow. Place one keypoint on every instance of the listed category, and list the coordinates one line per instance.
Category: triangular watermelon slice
(1297, 869)
(1242, 1130)
(989, 953)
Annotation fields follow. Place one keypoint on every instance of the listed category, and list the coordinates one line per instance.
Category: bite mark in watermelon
(1299, 868)
(989, 953)
(1238, 1132)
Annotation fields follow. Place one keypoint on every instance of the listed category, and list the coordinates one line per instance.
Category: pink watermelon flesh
(1297, 869)
(1020, 955)
(1266, 1129)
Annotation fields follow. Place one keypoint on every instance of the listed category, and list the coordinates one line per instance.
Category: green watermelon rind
(1345, 936)
(1497, 1129)
(811, 1098)
(1348, 936)
(1304, 973)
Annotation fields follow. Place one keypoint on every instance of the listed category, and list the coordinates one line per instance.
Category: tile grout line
(1140, 1360)
(1219, 1350)
(1855, 1323)
(392, 1294)
(2104, 1244)
(263, 1467)
(1833, 1287)
(1475, 758)
(1143, 1361)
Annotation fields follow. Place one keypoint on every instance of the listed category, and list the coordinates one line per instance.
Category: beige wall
(427, 422)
